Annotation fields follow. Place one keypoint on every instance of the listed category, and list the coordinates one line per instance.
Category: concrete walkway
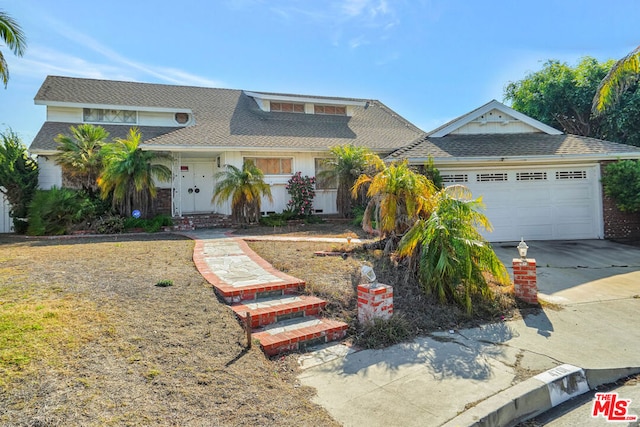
(458, 377)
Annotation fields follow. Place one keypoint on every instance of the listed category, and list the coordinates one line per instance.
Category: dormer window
(287, 107)
(101, 115)
(334, 110)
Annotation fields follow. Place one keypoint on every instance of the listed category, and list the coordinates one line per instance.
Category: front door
(196, 187)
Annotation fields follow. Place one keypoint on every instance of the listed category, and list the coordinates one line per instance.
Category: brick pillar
(525, 281)
(375, 301)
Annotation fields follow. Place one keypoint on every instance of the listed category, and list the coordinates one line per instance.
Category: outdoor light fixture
(369, 275)
(522, 249)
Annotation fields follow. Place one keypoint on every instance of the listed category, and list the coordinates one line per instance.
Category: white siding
(149, 118)
(50, 174)
(6, 224)
(64, 114)
(145, 118)
(494, 121)
(301, 162)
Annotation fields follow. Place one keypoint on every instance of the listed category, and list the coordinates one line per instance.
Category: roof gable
(493, 118)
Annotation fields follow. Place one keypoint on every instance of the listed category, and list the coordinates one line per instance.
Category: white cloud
(117, 66)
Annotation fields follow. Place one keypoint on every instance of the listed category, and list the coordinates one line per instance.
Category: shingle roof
(508, 145)
(229, 118)
(50, 130)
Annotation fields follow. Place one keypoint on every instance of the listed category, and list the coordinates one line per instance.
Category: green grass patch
(40, 329)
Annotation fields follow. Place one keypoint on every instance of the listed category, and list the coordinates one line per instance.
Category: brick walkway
(282, 319)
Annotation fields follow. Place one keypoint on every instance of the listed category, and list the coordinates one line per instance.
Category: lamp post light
(522, 249)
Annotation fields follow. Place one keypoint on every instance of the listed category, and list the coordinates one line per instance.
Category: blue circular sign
(135, 213)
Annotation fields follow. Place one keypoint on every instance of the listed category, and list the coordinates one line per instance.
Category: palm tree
(81, 157)
(448, 253)
(622, 76)
(399, 196)
(14, 38)
(244, 187)
(129, 172)
(347, 163)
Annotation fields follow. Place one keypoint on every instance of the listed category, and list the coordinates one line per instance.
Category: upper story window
(271, 165)
(287, 107)
(334, 110)
(108, 116)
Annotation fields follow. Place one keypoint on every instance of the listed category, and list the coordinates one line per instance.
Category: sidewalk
(432, 380)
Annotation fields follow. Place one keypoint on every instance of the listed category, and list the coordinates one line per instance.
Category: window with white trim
(102, 115)
(333, 110)
(272, 165)
(287, 107)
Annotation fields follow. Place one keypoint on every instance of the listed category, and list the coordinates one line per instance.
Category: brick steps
(252, 292)
(297, 334)
(265, 311)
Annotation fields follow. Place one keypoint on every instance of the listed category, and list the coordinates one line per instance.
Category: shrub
(55, 211)
(277, 219)
(164, 283)
(301, 189)
(109, 225)
(621, 182)
(151, 225)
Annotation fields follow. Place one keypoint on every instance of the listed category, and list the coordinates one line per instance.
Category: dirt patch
(151, 355)
(335, 279)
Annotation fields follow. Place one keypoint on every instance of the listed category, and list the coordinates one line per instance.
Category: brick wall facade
(618, 225)
(162, 203)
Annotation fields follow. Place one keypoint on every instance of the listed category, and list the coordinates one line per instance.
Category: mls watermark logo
(612, 408)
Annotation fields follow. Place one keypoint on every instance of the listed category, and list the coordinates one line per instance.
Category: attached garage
(537, 183)
(537, 203)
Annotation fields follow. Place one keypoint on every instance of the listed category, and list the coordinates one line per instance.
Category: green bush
(621, 182)
(277, 219)
(109, 225)
(149, 225)
(55, 211)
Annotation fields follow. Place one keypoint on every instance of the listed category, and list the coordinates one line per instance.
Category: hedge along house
(535, 181)
(205, 129)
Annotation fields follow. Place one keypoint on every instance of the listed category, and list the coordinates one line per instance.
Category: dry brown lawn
(86, 338)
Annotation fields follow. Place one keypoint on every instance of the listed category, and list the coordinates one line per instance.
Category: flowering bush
(302, 192)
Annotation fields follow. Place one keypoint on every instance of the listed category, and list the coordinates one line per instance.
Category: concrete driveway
(580, 271)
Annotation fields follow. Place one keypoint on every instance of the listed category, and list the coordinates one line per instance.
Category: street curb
(532, 397)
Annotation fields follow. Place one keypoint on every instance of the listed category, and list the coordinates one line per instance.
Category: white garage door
(537, 204)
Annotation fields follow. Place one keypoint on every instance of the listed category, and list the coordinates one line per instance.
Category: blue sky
(429, 60)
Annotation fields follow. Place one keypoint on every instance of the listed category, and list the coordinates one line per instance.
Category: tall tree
(346, 164)
(621, 77)
(13, 37)
(18, 177)
(561, 96)
(80, 154)
(129, 173)
(244, 187)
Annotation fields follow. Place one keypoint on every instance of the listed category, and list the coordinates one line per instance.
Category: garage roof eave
(511, 160)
